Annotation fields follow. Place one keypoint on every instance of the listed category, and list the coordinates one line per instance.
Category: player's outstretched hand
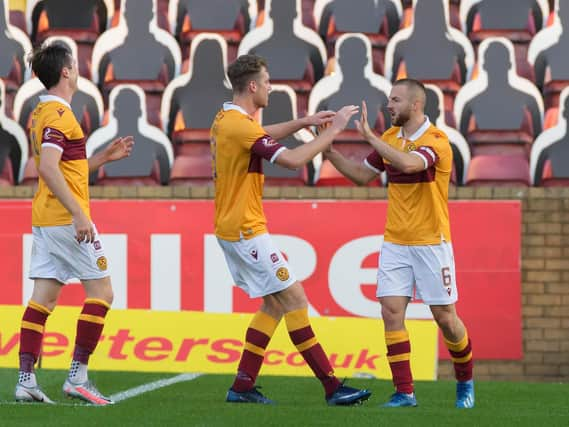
(362, 125)
(320, 118)
(343, 116)
(119, 148)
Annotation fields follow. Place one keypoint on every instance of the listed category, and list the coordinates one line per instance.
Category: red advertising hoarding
(163, 256)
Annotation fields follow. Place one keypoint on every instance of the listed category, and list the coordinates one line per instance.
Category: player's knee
(447, 322)
(392, 314)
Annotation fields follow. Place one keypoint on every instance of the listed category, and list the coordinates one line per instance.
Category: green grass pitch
(300, 402)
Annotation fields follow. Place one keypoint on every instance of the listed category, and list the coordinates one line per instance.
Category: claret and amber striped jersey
(54, 125)
(238, 146)
(417, 213)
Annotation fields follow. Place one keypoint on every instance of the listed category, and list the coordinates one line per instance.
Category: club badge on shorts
(282, 274)
(102, 263)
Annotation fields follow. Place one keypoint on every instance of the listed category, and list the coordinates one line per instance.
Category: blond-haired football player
(239, 145)
(417, 250)
(65, 241)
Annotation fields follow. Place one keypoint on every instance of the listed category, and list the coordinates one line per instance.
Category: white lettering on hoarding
(165, 272)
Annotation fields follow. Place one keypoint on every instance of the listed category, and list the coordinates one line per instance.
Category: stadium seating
(229, 18)
(295, 53)
(353, 80)
(137, 51)
(14, 44)
(547, 55)
(82, 21)
(329, 52)
(431, 50)
(378, 20)
(152, 158)
(460, 148)
(516, 20)
(499, 112)
(549, 154)
(191, 100)
(282, 107)
(13, 146)
(498, 171)
(87, 102)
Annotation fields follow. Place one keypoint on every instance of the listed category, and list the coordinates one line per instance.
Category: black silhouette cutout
(191, 100)
(550, 153)
(13, 146)
(432, 51)
(281, 108)
(229, 18)
(87, 103)
(356, 84)
(152, 152)
(548, 53)
(286, 52)
(499, 110)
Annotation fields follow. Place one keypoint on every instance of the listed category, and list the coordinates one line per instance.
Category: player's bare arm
(356, 172)
(285, 129)
(116, 150)
(49, 171)
(405, 162)
(299, 156)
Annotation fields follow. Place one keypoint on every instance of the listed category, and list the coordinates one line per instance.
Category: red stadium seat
(498, 171)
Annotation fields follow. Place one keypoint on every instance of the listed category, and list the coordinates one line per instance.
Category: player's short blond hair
(243, 70)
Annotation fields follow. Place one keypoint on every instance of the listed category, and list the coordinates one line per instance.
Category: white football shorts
(56, 254)
(257, 266)
(429, 269)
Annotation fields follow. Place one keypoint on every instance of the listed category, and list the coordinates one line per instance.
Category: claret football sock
(398, 356)
(259, 333)
(31, 334)
(461, 355)
(302, 336)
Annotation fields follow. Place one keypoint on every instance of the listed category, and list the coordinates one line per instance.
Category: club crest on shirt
(97, 245)
(410, 147)
(282, 274)
(274, 258)
(253, 253)
(102, 263)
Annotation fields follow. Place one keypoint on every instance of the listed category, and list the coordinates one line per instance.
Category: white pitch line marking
(124, 395)
(145, 388)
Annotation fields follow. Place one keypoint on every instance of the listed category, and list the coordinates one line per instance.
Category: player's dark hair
(243, 70)
(48, 61)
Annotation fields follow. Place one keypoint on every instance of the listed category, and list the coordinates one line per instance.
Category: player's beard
(399, 119)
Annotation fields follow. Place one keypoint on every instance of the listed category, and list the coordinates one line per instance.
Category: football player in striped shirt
(239, 144)
(417, 251)
(65, 241)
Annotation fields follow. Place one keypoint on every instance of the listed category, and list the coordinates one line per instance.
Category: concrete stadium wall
(545, 264)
